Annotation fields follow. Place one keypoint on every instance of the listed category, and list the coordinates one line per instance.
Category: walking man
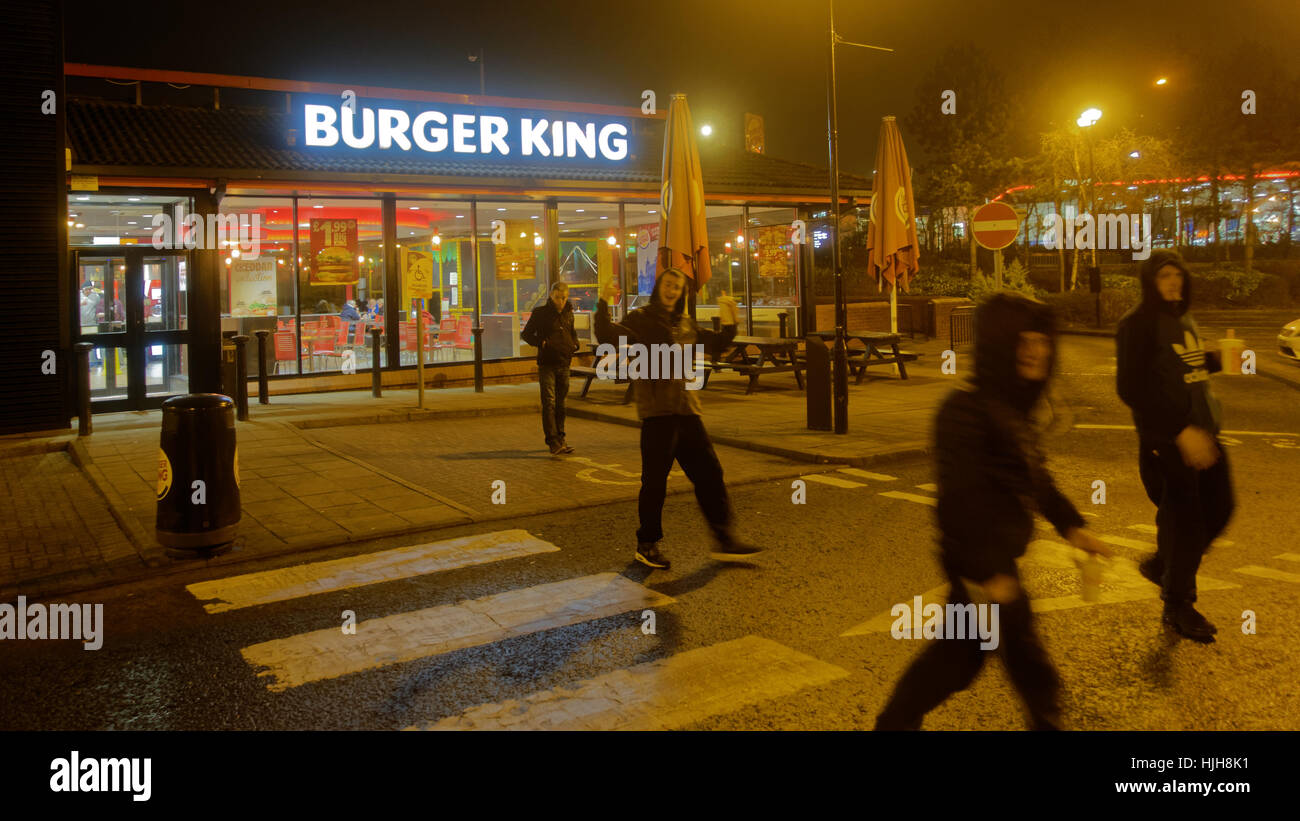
(671, 428)
(550, 330)
(1162, 372)
(991, 477)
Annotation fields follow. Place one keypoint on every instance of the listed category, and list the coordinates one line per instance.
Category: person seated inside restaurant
(349, 312)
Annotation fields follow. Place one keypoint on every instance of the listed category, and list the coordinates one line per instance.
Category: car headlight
(1292, 329)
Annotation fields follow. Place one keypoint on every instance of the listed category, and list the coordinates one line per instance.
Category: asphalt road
(796, 639)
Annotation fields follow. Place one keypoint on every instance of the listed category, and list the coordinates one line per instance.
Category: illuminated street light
(706, 129)
(1089, 117)
(1135, 155)
(1161, 81)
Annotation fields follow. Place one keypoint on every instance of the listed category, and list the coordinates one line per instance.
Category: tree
(967, 153)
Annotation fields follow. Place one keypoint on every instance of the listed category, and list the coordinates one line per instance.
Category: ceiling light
(132, 199)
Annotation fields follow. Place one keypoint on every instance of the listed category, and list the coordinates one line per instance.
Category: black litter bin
(198, 475)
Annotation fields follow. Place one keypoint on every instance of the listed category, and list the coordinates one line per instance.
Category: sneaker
(557, 449)
(1153, 570)
(564, 446)
(732, 551)
(1187, 622)
(647, 553)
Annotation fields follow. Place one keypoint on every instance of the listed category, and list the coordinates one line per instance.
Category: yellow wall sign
(164, 474)
(84, 182)
(417, 273)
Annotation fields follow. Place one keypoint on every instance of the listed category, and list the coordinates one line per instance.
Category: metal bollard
(263, 390)
(83, 350)
(478, 357)
(784, 318)
(241, 377)
(376, 380)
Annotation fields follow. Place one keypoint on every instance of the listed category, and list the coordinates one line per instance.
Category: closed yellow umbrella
(683, 231)
(892, 246)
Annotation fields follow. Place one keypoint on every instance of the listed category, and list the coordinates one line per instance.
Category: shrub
(1080, 307)
(942, 279)
(1272, 292)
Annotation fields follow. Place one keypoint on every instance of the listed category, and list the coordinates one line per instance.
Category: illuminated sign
(464, 132)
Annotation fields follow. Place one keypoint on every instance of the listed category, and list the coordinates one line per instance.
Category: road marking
(330, 653)
(833, 481)
(865, 474)
(1222, 432)
(1290, 557)
(268, 586)
(1121, 582)
(1268, 573)
(1152, 530)
(665, 694)
(933, 488)
(911, 497)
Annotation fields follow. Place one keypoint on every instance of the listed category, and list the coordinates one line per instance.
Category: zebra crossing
(665, 693)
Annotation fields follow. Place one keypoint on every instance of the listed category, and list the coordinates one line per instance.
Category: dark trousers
(683, 439)
(554, 382)
(1192, 509)
(949, 665)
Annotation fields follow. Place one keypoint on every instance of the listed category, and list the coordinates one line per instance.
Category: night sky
(728, 56)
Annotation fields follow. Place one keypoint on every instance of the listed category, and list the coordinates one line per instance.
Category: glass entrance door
(132, 307)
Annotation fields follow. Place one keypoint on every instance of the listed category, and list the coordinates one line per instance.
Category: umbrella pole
(893, 315)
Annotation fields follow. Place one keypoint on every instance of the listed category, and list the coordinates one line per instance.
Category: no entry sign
(995, 225)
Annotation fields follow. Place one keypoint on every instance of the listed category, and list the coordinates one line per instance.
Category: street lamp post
(839, 356)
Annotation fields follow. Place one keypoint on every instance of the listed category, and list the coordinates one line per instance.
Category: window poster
(334, 250)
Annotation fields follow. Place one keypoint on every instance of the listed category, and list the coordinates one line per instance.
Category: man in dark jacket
(671, 428)
(1162, 373)
(991, 477)
(550, 330)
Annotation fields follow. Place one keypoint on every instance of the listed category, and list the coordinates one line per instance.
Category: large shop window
(437, 266)
(590, 252)
(512, 273)
(726, 262)
(641, 250)
(774, 268)
(340, 282)
(257, 272)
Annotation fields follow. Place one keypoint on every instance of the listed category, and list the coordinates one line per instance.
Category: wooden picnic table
(775, 355)
(872, 341)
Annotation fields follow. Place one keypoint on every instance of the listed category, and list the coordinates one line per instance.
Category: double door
(131, 304)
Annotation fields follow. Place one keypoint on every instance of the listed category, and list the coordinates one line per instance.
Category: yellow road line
(911, 497)
(865, 474)
(1268, 573)
(833, 481)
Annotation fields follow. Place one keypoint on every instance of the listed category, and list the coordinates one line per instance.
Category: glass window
(340, 281)
(641, 232)
(512, 273)
(726, 259)
(773, 269)
(590, 256)
(102, 297)
(124, 219)
(433, 242)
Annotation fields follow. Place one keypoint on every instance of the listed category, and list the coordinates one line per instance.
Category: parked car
(1288, 341)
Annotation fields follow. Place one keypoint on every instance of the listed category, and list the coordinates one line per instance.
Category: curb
(150, 554)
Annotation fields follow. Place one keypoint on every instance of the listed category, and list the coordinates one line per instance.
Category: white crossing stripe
(911, 497)
(1152, 530)
(1268, 573)
(878, 477)
(1135, 544)
(665, 694)
(330, 653)
(933, 488)
(833, 481)
(1290, 557)
(287, 583)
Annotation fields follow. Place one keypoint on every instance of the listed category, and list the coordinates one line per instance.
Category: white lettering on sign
(435, 132)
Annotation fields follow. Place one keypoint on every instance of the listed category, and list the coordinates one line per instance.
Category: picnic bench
(774, 355)
(871, 354)
(589, 372)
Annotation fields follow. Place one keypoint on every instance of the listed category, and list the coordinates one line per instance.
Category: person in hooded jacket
(992, 476)
(671, 427)
(1162, 372)
(550, 330)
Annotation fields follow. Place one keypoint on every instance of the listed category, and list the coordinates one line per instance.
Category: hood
(999, 321)
(1151, 298)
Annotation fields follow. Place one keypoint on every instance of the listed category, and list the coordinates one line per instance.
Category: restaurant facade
(200, 205)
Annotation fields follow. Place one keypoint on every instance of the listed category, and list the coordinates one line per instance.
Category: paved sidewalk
(68, 529)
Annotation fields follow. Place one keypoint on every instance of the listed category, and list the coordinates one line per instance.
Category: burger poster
(252, 287)
(334, 250)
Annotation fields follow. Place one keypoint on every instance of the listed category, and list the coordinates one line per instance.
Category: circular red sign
(995, 225)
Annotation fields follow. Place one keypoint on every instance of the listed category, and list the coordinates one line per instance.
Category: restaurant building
(199, 204)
